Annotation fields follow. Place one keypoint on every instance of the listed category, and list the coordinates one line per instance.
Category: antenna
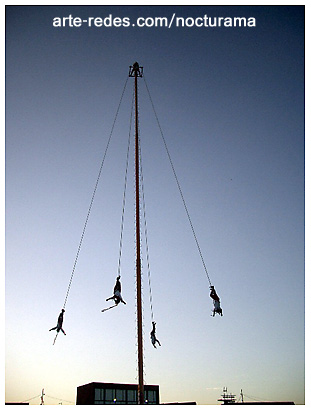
(227, 398)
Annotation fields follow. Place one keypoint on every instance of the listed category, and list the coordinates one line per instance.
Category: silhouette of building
(113, 393)
(180, 403)
(16, 403)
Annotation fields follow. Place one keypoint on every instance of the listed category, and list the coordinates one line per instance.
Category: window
(123, 394)
(150, 397)
(131, 396)
(99, 396)
(120, 397)
(110, 397)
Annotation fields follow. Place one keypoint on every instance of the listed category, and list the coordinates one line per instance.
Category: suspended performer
(216, 301)
(154, 340)
(117, 293)
(60, 320)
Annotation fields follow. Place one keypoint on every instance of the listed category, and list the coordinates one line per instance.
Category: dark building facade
(101, 393)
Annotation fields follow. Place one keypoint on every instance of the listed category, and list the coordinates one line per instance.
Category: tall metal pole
(136, 71)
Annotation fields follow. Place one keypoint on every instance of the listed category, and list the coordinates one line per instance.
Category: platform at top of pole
(136, 70)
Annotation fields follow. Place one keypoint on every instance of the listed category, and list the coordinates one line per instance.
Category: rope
(37, 396)
(55, 339)
(178, 185)
(93, 195)
(125, 185)
(146, 236)
(58, 399)
(255, 398)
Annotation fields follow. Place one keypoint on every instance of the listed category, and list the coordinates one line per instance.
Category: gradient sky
(231, 106)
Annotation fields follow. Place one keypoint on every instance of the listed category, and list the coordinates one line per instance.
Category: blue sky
(230, 102)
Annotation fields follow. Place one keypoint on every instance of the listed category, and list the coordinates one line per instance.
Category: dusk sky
(230, 102)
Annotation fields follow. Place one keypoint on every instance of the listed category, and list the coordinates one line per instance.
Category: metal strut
(137, 71)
